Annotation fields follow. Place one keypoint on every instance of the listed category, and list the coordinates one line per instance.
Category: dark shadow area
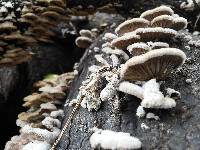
(56, 58)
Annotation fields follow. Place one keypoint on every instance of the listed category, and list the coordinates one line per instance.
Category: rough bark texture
(177, 128)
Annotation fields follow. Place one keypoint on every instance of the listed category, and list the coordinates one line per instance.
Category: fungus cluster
(152, 58)
(12, 42)
(86, 38)
(42, 122)
(23, 24)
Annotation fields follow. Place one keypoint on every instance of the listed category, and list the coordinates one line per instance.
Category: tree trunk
(177, 128)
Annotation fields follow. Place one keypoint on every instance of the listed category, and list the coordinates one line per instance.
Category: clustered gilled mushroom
(24, 23)
(12, 42)
(44, 113)
(146, 40)
(86, 38)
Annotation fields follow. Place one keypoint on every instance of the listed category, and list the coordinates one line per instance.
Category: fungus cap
(153, 64)
(31, 16)
(179, 23)
(158, 11)
(59, 3)
(155, 33)
(164, 21)
(56, 9)
(83, 42)
(131, 25)
(51, 14)
(19, 38)
(123, 41)
(7, 26)
(26, 21)
(86, 33)
(138, 48)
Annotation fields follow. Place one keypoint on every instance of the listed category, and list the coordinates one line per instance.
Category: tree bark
(177, 128)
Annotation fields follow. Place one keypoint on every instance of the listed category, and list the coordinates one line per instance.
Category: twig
(67, 123)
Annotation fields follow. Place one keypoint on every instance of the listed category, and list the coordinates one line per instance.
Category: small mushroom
(149, 34)
(164, 21)
(52, 15)
(131, 25)
(83, 42)
(158, 11)
(179, 23)
(86, 33)
(56, 9)
(59, 3)
(37, 99)
(30, 16)
(7, 26)
(138, 48)
(123, 41)
(153, 64)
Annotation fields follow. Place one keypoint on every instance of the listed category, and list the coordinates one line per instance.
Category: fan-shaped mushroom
(158, 11)
(153, 64)
(131, 25)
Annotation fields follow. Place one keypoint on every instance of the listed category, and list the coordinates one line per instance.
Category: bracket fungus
(85, 39)
(131, 25)
(123, 41)
(158, 11)
(42, 121)
(152, 58)
(149, 34)
(20, 22)
(153, 64)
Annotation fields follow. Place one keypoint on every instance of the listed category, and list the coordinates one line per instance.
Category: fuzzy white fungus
(131, 89)
(107, 139)
(140, 112)
(43, 134)
(37, 145)
(153, 97)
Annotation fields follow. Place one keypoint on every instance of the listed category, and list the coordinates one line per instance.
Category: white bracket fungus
(150, 94)
(131, 25)
(107, 139)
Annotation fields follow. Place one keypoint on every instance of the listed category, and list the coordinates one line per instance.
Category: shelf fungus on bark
(153, 64)
(42, 122)
(149, 34)
(166, 21)
(85, 39)
(27, 23)
(131, 25)
(152, 57)
(158, 11)
(123, 41)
